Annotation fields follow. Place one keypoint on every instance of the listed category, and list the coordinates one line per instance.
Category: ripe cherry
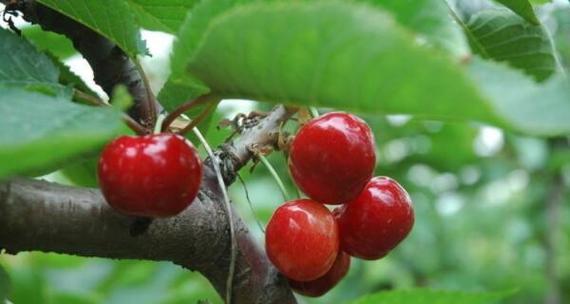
(301, 239)
(327, 282)
(150, 176)
(377, 220)
(332, 157)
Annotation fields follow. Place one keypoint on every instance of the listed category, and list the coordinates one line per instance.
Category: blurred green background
(492, 213)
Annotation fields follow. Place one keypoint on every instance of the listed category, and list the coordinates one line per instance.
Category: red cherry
(332, 157)
(327, 282)
(377, 220)
(301, 239)
(151, 176)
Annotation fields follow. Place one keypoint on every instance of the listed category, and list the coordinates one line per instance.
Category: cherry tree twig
(216, 164)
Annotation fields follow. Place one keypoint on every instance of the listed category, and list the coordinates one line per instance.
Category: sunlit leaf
(503, 36)
(32, 125)
(346, 56)
(164, 15)
(112, 19)
(522, 7)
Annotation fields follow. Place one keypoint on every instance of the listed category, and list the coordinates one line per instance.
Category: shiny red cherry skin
(302, 239)
(150, 176)
(324, 284)
(377, 220)
(332, 157)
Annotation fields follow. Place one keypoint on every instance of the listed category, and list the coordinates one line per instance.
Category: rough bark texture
(40, 216)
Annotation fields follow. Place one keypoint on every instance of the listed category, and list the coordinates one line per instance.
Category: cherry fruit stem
(172, 116)
(275, 176)
(222, 184)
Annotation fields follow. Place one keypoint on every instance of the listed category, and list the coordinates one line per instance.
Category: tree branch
(40, 216)
(235, 154)
(111, 66)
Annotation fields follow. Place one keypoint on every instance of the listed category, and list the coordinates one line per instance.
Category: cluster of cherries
(332, 160)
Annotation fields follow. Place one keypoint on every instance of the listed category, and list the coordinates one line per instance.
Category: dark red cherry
(151, 176)
(322, 285)
(377, 220)
(332, 157)
(301, 239)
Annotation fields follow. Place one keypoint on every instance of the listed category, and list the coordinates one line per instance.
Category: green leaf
(32, 125)
(181, 86)
(427, 18)
(351, 57)
(4, 284)
(56, 44)
(82, 173)
(69, 78)
(165, 15)
(523, 8)
(425, 296)
(112, 19)
(539, 109)
(121, 99)
(23, 66)
(346, 56)
(504, 36)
